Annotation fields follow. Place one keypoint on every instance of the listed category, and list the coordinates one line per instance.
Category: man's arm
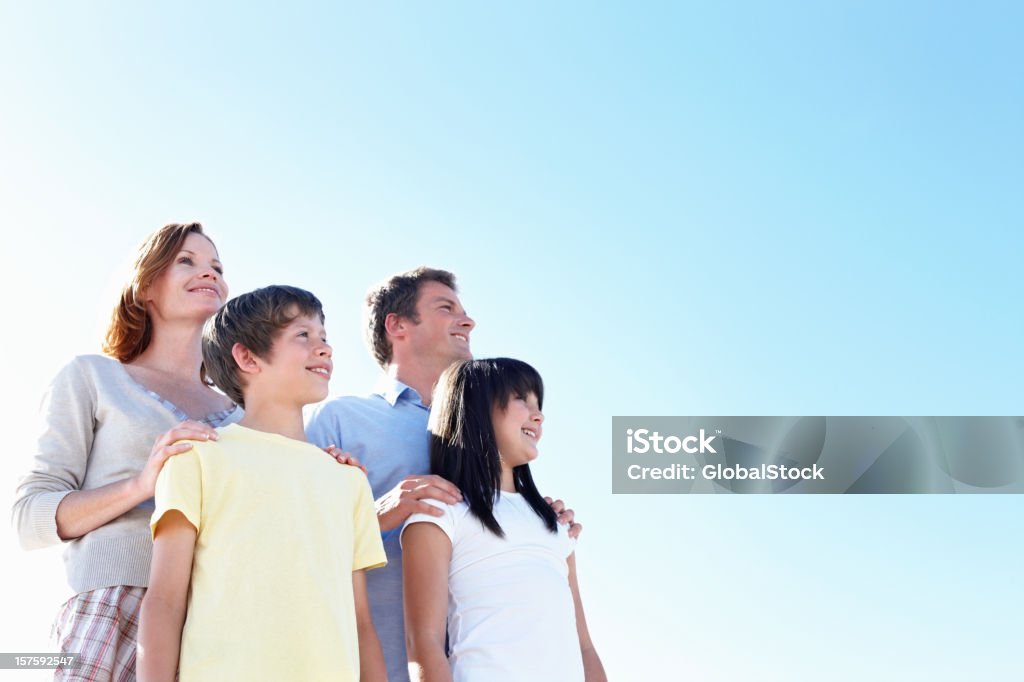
(406, 499)
(324, 428)
(163, 608)
(566, 516)
(371, 658)
(593, 670)
(426, 555)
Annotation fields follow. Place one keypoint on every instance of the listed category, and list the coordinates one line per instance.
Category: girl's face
(517, 429)
(192, 285)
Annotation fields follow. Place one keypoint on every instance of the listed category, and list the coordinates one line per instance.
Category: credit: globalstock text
(645, 441)
(714, 472)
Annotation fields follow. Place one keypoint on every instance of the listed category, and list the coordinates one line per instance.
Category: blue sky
(678, 208)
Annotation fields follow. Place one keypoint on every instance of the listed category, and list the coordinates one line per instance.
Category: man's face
(442, 333)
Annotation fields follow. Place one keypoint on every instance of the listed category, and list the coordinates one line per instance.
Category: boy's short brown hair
(253, 320)
(397, 295)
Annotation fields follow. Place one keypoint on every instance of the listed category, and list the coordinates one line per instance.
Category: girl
(496, 564)
(109, 422)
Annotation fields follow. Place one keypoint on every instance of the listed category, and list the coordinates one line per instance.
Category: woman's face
(517, 429)
(192, 286)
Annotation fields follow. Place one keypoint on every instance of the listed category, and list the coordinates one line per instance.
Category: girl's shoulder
(450, 522)
(452, 512)
(566, 544)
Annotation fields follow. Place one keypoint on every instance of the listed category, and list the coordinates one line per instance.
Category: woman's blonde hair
(131, 329)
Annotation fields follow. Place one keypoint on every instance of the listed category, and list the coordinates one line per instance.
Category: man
(416, 327)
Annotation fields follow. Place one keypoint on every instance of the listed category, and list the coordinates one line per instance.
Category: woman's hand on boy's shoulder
(344, 457)
(565, 516)
(173, 442)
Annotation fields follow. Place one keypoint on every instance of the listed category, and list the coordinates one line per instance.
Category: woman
(496, 566)
(109, 422)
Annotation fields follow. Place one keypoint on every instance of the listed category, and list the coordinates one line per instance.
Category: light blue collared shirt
(387, 432)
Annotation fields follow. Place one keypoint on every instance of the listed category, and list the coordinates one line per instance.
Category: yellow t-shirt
(281, 526)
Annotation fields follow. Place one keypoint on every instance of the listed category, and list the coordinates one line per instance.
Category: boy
(255, 521)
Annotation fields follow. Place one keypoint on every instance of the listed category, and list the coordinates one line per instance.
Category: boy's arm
(593, 671)
(426, 555)
(371, 658)
(163, 608)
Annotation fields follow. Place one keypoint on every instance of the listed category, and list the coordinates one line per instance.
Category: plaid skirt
(102, 627)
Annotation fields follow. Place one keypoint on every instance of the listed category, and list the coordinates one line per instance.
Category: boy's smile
(322, 370)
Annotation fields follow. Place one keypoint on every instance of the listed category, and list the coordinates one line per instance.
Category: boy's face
(298, 367)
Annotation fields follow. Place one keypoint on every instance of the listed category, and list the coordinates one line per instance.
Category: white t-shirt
(510, 609)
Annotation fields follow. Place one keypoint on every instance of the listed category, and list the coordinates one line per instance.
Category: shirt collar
(393, 390)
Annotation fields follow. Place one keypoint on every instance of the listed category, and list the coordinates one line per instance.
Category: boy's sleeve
(368, 551)
(180, 486)
(445, 523)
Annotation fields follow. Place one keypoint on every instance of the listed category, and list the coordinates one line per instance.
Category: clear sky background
(682, 208)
